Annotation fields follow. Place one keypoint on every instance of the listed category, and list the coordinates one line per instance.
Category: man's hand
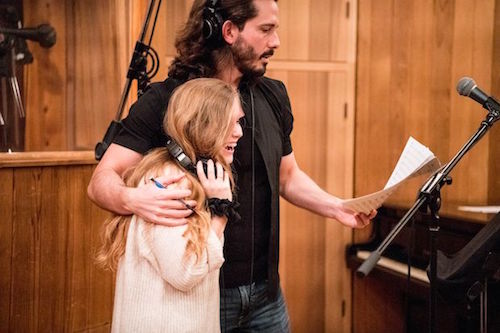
(157, 205)
(353, 219)
(161, 205)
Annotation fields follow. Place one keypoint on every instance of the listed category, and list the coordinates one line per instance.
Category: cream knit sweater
(158, 289)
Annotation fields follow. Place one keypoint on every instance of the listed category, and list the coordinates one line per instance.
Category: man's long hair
(197, 57)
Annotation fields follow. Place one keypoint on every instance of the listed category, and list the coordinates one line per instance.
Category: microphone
(43, 34)
(467, 87)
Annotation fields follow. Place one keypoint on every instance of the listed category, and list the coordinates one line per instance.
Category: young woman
(168, 277)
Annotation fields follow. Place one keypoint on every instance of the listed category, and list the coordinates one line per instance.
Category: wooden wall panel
(46, 80)
(7, 202)
(308, 140)
(174, 14)
(409, 63)
(51, 261)
(73, 89)
(340, 154)
(100, 58)
(25, 237)
(92, 289)
(49, 281)
(316, 30)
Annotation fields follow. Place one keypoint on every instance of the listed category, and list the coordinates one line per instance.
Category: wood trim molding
(29, 159)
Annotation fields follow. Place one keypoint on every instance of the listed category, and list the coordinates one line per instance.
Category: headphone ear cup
(212, 24)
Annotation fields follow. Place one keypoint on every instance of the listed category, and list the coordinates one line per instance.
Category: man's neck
(231, 75)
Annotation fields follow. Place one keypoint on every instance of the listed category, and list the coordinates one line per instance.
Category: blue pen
(160, 185)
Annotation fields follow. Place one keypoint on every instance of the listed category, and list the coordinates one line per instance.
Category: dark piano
(385, 301)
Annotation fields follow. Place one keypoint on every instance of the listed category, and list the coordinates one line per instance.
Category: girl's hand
(216, 185)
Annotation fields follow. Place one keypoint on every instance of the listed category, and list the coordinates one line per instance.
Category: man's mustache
(267, 53)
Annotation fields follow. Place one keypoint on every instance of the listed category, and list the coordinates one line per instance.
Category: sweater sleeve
(183, 271)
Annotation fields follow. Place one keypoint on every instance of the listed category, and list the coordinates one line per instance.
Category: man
(233, 41)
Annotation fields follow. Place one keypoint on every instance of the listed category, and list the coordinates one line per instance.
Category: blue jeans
(247, 309)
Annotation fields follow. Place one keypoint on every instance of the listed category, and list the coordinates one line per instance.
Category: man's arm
(108, 191)
(300, 190)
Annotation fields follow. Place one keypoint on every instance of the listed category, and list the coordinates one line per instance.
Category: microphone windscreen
(47, 35)
(465, 86)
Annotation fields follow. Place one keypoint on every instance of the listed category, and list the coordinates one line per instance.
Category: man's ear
(230, 32)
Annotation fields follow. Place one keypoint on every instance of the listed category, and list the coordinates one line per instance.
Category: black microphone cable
(223, 296)
(411, 246)
(252, 105)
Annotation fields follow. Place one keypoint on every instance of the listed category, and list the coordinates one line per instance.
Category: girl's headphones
(184, 161)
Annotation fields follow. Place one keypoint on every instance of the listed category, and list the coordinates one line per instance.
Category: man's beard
(244, 56)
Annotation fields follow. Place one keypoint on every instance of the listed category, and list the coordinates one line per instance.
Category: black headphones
(176, 152)
(184, 161)
(212, 21)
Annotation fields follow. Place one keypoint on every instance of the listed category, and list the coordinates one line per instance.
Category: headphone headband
(176, 152)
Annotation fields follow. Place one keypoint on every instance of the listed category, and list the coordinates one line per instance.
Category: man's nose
(274, 41)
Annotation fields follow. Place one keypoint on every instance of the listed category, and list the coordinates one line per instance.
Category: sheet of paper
(415, 160)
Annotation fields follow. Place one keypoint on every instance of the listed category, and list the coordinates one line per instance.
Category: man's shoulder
(273, 87)
(271, 83)
(165, 88)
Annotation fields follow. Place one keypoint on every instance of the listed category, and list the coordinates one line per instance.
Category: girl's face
(235, 131)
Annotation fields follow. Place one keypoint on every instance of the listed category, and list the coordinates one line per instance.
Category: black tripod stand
(14, 53)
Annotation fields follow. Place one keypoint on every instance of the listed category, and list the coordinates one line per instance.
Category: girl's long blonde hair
(198, 118)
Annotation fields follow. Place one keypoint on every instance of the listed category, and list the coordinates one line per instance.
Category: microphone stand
(429, 198)
(11, 133)
(137, 70)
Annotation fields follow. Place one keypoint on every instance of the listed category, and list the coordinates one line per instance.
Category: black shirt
(238, 236)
